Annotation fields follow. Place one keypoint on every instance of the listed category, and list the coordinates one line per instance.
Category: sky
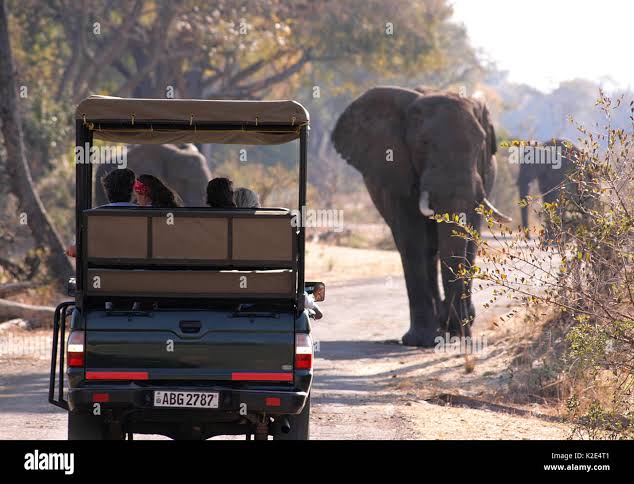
(544, 42)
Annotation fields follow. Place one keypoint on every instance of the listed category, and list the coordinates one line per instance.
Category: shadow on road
(25, 392)
(348, 350)
(371, 368)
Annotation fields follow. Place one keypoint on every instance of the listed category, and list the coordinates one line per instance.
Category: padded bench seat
(190, 253)
(205, 237)
(179, 283)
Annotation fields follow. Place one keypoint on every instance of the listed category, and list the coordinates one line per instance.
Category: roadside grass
(337, 265)
(538, 348)
(545, 372)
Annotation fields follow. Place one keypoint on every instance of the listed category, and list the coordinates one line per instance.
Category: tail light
(75, 349)
(303, 351)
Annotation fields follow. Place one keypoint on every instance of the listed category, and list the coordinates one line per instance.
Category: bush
(584, 269)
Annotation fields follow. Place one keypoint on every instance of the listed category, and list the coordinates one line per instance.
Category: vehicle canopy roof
(158, 121)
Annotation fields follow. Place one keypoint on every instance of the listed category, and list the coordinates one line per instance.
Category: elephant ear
(487, 124)
(487, 165)
(370, 135)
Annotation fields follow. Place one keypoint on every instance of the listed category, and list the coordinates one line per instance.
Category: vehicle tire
(83, 426)
(300, 425)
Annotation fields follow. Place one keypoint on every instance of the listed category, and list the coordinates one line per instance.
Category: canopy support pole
(303, 159)
(83, 199)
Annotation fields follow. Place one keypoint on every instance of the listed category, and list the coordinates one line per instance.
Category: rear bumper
(131, 396)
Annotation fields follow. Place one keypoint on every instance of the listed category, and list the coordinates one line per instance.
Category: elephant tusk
(497, 215)
(423, 205)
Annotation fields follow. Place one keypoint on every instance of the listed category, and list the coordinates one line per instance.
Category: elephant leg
(551, 196)
(523, 188)
(453, 253)
(415, 239)
(419, 267)
(472, 250)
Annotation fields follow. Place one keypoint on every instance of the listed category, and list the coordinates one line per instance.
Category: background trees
(15, 163)
(322, 53)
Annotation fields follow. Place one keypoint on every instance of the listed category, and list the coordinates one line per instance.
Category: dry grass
(538, 346)
(490, 377)
(541, 374)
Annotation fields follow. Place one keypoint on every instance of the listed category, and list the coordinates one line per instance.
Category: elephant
(182, 167)
(423, 152)
(551, 177)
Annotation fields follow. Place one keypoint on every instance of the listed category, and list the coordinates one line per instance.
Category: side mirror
(71, 287)
(317, 289)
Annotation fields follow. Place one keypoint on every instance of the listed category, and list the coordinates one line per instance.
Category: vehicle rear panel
(190, 345)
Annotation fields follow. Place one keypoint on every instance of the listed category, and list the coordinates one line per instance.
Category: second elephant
(551, 176)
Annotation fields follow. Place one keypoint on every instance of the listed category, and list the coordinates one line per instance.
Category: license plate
(186, 399)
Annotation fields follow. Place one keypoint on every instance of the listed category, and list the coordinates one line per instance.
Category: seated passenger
(311, 305)
(220, 193)
(245, 198)
(118, 187)
(152, 192)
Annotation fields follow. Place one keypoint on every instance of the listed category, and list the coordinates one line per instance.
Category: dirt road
(366, 385)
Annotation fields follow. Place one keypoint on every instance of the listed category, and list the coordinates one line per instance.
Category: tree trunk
(38, 315)
(20, 181)
(15, 288)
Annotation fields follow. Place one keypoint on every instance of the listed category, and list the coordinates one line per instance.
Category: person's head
(152, 191)
(245, 198)
(220, 193)
(118, 185)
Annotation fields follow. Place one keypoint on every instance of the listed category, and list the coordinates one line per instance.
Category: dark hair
(118, 185)
(161, 195)
(220, 193)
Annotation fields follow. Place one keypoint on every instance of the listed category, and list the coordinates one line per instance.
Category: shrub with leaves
(583, 268)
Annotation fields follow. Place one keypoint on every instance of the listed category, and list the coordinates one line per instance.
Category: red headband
(140, 188)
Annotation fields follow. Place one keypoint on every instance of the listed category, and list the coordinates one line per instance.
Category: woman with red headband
(152, 192)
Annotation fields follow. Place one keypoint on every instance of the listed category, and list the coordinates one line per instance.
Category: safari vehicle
(187, 322)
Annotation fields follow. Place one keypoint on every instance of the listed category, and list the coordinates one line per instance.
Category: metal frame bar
(303, 161)
(83, 200)
(83, 185)
(59, 325)
(124, 124)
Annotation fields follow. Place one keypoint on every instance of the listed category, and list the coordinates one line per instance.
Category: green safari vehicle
(196, 327)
